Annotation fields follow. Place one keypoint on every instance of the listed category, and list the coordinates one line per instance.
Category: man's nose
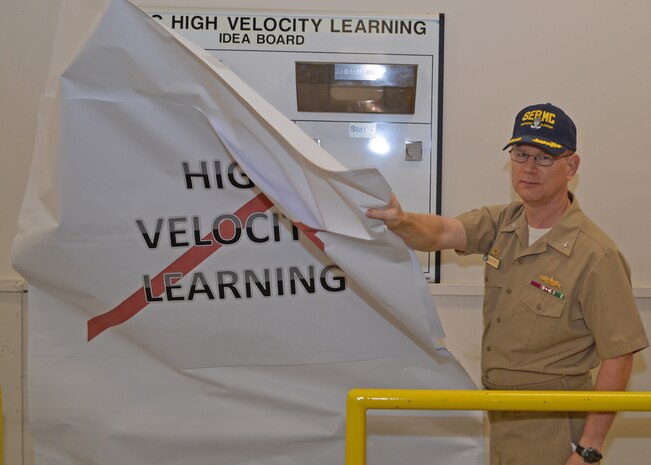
(530, 164)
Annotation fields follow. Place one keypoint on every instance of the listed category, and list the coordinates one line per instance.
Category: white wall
(588, 56)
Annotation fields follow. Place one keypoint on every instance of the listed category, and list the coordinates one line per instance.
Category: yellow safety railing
(361, 400)
(1, 418)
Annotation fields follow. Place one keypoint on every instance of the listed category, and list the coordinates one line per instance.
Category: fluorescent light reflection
(379, 145)
(376, 71)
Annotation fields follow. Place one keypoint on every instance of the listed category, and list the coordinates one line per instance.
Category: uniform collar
(562, 237)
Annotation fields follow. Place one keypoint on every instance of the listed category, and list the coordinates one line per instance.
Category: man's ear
(573, 162)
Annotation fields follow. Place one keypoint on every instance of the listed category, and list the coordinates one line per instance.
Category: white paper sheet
(153, 342)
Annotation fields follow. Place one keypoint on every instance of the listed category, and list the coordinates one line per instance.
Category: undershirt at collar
(535, 234)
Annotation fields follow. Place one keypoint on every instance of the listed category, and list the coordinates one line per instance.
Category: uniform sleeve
(609, 308)
(481, 227)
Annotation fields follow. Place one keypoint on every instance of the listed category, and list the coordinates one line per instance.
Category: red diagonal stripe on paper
(311, 234)
(184, 264)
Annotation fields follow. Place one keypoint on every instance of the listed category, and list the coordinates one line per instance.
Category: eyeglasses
(542, 159)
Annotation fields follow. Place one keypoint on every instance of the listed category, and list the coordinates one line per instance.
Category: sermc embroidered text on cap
(545, 126)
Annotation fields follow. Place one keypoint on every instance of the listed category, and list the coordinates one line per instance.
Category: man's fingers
(376, 214)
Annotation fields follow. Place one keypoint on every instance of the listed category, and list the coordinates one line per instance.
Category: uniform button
(489, 348)
(539, 306)
(485, 279)
(499, 320)
(509, 291)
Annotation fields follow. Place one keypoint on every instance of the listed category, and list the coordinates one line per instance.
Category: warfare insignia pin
(550, 281)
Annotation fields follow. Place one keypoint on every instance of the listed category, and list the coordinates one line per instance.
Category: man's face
(538, 185)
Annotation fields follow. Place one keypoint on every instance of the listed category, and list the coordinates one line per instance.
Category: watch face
(590, 455)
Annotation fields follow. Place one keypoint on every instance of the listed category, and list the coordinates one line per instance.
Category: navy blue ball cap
(545, 126)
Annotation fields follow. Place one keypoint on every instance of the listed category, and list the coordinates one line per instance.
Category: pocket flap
(542, 303)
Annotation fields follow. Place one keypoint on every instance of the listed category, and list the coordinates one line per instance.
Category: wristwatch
(588, 454)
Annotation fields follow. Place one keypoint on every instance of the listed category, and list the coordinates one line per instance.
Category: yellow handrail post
(355, 429)
(1, 419)
(360, 400)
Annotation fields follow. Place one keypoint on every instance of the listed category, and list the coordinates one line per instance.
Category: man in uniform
(558, 299)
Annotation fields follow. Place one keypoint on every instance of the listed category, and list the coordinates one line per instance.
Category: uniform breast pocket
(545, 313)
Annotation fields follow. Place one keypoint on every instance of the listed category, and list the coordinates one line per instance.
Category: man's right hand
(421, 231)
(392, 214)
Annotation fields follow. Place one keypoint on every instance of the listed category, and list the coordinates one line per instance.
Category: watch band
(588, 454)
